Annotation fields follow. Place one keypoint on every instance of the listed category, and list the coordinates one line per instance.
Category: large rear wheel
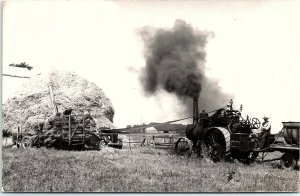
(216, 144)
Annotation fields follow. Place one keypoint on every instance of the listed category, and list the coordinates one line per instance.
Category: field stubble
(139, 170)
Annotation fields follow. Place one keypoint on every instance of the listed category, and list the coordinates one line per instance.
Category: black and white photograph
(150, 96)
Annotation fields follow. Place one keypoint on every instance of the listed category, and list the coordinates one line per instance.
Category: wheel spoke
(213, 136)
(220, 149)
(183, 145)
(212, 139)
(210, 142)
(214, 147)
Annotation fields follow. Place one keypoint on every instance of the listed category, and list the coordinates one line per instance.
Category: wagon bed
(290, 148)
(283, 147)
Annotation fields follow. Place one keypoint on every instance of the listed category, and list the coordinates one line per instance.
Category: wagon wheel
(95, 146)
(255, 123)
(183, 147)
(287, 161)
(26, 142)
(143, 142)
(102, 144)
(215, 144)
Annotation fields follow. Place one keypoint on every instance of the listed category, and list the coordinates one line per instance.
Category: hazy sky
(254, 54)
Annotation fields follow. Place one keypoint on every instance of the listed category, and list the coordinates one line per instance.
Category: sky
(253, 55)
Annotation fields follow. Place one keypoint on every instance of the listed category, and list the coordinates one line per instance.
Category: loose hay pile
(31, 104)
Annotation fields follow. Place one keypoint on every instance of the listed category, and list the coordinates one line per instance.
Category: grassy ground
(138, 170)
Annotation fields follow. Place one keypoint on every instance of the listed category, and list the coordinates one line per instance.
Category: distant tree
(6, 134)
(21, 65)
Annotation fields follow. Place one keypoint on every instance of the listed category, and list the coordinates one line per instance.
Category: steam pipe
(195, 110)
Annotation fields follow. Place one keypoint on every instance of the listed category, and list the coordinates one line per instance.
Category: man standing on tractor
(265, 133)
(203, 116)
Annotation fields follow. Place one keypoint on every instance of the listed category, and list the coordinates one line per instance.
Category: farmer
(265, 133)
(88, 119)
(203, 117)
(203, 114)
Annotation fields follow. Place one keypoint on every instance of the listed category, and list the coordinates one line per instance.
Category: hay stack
(31, 103)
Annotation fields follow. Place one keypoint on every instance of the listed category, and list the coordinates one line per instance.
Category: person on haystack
(265, 133)
(88, 119)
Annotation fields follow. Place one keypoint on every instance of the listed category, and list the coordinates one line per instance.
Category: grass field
(138, 170)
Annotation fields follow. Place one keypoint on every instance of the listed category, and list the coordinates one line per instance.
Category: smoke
(174, 59)
(211, 98)
(175, 62)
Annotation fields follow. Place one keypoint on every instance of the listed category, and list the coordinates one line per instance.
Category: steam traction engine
(222, 135)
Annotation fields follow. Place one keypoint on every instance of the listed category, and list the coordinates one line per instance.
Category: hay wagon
(68, 132)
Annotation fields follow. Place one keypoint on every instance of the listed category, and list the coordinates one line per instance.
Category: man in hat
(265, 132)
(203, 116)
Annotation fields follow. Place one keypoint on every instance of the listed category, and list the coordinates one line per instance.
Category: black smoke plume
(174, 59)
(175, 62)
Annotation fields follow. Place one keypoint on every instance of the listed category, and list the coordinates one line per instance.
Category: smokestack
(195, 110)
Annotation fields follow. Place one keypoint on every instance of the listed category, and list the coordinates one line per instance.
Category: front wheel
(183, 147)
(26, 142)
(288, 161)
(102, 144)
